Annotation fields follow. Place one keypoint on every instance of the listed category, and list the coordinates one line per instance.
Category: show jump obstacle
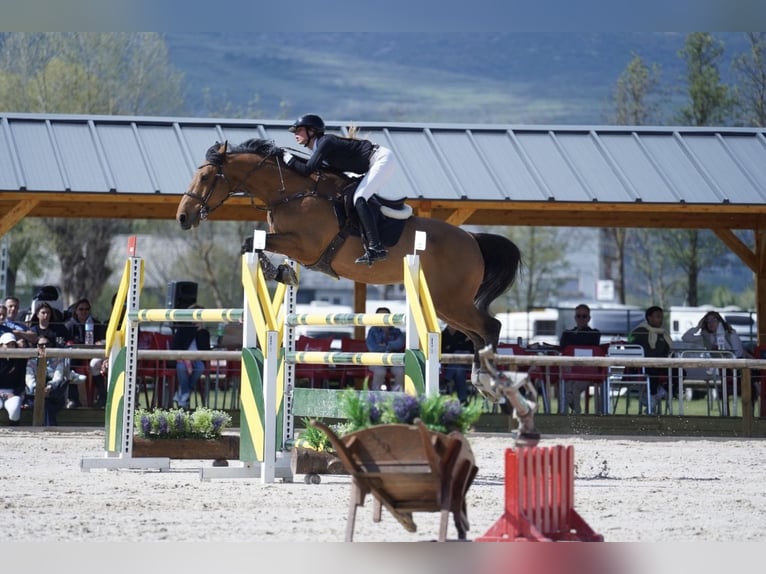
(268, 357)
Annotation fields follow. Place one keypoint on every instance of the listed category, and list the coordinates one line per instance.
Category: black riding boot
(374, 250)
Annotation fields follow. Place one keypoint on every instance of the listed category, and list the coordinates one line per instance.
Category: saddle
(391, 214)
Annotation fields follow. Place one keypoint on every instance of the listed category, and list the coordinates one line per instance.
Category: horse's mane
(265, 148)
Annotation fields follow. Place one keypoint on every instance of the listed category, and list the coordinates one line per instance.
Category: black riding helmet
(309, 121)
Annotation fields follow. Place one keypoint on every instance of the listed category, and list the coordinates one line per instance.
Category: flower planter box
(313, 463)
(219, 449)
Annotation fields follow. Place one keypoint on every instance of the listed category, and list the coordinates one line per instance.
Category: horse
(465, 271)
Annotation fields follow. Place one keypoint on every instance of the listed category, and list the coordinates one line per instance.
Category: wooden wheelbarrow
(407, 469)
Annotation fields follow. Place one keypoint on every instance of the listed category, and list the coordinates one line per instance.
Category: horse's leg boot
(374, 251)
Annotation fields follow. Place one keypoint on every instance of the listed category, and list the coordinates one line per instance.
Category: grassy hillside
(493, 78)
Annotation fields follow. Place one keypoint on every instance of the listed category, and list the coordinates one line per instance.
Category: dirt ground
(627, 489)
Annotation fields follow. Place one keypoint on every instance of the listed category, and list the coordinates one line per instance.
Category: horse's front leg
(282, 273)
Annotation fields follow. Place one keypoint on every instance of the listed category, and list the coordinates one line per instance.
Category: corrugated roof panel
(81, 161)
(550, 164)
(8, 176)
(750, 151)
(197, 140)
(236, 135)
(124, 158)
(635, 164)
(36, 155)
(514, 178)
(720, 167)
(165, 157)
(439, 162)
(593, 168)
(687, 183)
(474, 179)
(417, 156)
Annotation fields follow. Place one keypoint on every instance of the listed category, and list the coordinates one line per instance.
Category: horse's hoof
(527, 439)
(286, 274)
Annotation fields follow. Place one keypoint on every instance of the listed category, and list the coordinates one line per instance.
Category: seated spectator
(55, 382)
(581, 334)
(24, 335)
(714, 333)
(386, 340)
(192, 337)
(75, 328)
(455, 342)
(12, 373)
(656, 341)
(5, 327)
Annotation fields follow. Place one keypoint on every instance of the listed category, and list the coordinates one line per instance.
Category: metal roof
(443, 167)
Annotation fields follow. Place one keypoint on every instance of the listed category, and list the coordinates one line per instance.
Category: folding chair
(621, 378)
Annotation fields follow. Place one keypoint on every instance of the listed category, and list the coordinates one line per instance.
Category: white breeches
(382, 166)
(11, 403)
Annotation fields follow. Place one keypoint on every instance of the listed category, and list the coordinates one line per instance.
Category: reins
(241, 189)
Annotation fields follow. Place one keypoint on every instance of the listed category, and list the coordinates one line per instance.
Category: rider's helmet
(310, 121)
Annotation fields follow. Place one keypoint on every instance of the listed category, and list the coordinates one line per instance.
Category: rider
(361, 156)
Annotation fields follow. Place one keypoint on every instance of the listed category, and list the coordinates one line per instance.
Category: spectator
(714, 333)
(4, 326)
(24, 335)
(455, 342)
(656, 341)
(584, 335)
(386, 340)
(55, 380)
(192, 337)
(12, 373)
(75, 328)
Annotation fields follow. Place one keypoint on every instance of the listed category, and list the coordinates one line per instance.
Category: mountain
(518, 78)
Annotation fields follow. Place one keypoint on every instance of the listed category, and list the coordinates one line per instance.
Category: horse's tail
(502, 260)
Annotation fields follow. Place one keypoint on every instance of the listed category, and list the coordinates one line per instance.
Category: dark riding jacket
(336, 153)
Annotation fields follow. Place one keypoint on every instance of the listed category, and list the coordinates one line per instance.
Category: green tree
(84, 73)
(635, 95)
(657, 281)
(710, 101)
(543, 273)
(751, 71)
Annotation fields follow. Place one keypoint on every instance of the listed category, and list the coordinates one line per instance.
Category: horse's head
(224, 173)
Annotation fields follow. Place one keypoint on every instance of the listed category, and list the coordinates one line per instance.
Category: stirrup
(372, 255)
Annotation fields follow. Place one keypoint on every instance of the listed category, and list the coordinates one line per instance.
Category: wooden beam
(14, 213)
(740, 249)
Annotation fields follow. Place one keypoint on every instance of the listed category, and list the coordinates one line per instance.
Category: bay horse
(465, 271)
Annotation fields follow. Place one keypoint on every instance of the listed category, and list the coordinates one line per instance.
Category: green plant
(178, 423)
(440, 413)
(313, 437)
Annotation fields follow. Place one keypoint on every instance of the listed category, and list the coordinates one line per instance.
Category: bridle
(239, 189)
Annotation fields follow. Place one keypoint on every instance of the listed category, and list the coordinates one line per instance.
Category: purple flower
(374, 408)
(217, 421)
(451, 415)
(162, 423)
(406, 408)
(146, 425)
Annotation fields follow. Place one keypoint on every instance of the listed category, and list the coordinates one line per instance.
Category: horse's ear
(224, 146)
